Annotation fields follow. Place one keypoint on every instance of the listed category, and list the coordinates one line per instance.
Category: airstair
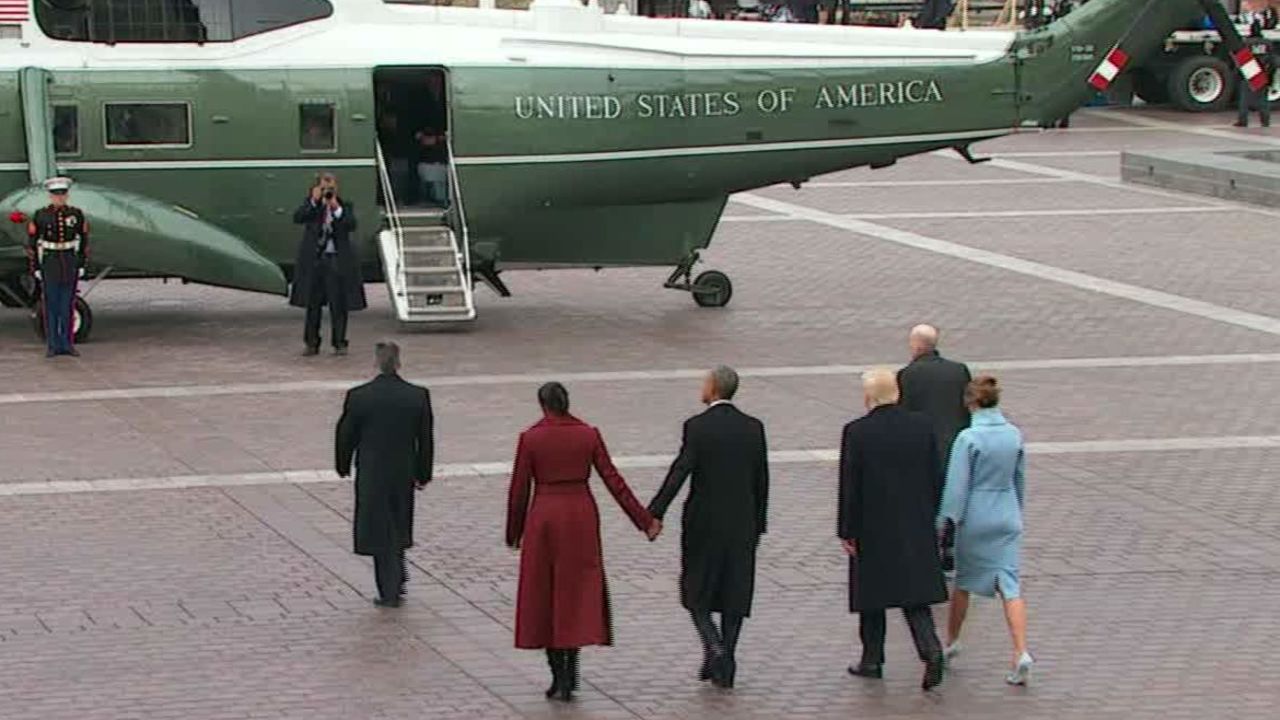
(425, 258)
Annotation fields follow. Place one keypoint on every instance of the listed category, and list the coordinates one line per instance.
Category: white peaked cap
(56, 184)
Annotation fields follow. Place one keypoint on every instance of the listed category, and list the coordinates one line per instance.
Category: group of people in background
(932, 471)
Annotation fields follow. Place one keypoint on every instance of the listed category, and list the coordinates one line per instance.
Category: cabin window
(317, 128)
(66, 129)
(172, 21)
(148, 124)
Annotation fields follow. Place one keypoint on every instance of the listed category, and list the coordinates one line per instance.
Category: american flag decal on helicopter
(15, 11)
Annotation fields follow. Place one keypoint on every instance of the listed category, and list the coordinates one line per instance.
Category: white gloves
(39, 276)
(80, 273)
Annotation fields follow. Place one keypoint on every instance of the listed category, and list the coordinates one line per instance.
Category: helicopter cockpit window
(172, 21)
(66, 129)
(317, 132)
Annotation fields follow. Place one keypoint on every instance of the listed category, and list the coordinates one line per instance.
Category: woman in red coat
(563, 603)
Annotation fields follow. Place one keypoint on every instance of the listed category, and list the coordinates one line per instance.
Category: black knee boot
(569, 678)
(556, 662)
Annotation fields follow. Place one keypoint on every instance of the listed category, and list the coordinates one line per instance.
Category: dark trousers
(389, 573)
(326, 288)
(59, 299)
(1248, 97)
(717, 639)
(919, 619)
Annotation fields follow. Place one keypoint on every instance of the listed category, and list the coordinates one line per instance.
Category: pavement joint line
(994, 214)
(477, 470)
(932, 183)
(1150, 123)
(1062, 276)
(778, 371)
(1051, 154)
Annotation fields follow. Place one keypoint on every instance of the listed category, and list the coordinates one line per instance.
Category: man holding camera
(327, 271)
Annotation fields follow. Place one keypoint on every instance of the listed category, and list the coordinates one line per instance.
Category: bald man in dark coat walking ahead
(387, 426)
(724, 450)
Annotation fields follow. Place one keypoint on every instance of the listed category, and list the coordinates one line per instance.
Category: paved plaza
(175, 544)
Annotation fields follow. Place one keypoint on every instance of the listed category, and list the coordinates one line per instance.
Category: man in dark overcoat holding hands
(724, 450)
(327, 269)
(891, 484)
(387, 426)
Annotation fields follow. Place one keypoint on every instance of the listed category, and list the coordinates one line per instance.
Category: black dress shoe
(932, 674)
(865, 670)
(723, 673)
(387, 602)
(340, 350)
(311, 352)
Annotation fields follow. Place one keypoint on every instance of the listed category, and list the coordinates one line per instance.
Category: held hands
(654, 530)
(316, 192)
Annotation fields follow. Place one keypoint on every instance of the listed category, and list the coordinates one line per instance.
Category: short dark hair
(983, 391)
(554, 398)
(388, 356)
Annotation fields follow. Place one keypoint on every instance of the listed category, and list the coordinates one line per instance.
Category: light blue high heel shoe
(951, 651)
(1021, 674)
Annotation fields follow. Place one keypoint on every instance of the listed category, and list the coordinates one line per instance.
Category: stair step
(438, 313)
(432, 288)
(425, 218)
(417, 282)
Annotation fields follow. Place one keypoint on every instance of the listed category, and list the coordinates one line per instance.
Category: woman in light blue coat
(983, 500)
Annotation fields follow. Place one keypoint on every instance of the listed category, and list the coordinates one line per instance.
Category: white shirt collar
(720, 402)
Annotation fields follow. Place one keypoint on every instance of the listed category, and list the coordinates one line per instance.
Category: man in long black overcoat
(934, 386)
(387, 426)
(724, 449)
(327, 268)
(890, 487)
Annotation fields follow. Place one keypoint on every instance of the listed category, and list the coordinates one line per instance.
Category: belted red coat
(563, 599)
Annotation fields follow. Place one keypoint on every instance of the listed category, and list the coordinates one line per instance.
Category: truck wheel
(1150, 87)
(1201, 84)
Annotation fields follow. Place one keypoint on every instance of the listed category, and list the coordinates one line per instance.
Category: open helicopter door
(424, 246)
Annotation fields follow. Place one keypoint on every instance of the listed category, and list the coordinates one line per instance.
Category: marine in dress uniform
(57, 250)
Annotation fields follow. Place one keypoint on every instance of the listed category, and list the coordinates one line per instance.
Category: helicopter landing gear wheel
(81, 320)
(712, 289)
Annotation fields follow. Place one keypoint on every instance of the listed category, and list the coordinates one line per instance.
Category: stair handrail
(461, 247)
(393, 214)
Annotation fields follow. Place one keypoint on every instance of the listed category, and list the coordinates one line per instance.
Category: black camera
(328, 194)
